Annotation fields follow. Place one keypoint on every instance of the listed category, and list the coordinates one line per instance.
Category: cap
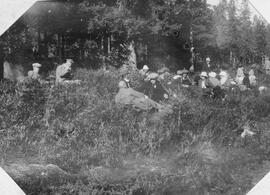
(204, 74)
(36, 65)
(212, 74)
(69, 60)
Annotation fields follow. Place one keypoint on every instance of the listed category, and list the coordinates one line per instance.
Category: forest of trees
(98, 32)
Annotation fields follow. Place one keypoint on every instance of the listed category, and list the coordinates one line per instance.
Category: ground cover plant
(112, 150)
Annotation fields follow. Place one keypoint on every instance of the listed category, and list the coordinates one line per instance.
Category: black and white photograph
(134, 97)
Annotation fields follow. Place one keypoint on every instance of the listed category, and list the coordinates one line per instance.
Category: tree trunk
(103, 53)
(59, 53)
(63, 47)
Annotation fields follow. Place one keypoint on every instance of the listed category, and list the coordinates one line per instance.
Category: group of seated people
(62, 73)
(212, 83)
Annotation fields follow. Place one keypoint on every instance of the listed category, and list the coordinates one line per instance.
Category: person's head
(69, 62)
(36, 67)
(153, 81)
(179, 72)
(212, 74)
(203, 75)
(184, 73)
(122, 84)
(145, 68)
(208, 60)
(223, 74)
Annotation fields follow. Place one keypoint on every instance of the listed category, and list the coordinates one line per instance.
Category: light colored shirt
(61, 71)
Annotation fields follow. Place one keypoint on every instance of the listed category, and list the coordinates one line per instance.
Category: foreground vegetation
(196, 150)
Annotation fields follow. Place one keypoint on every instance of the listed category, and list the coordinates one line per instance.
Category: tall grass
(196, 150)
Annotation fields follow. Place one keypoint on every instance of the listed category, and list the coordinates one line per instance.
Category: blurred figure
(213, 81)
(163, 73)
(204, 83)
(224, 77)
(144, 70)
(34, 74)
(262, 90)
(13, 72)
(246, 81)
(151, 76)
(252, 78)
(240, 75)
(157, 92)
(185, 80)
(207, 67)
(215, 84)
(63, 72)
(125, 79)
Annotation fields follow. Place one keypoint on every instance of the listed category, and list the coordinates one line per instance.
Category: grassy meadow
(196, 150)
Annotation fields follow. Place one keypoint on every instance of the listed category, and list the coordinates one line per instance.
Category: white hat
(184, 71)
(36, 65)
(204, 74)
(152, 76)
(145, 67)
(223, 73)
(69, 60)
(212, 74)
(208, 59)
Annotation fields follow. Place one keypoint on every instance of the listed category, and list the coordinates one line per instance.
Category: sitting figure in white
(63, 73)
(34, 74)
(252, 78)
(240, 76)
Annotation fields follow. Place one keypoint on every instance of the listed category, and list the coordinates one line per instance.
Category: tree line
(99, 32)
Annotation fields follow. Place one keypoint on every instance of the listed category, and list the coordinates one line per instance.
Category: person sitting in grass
(64, 73)
(163, 73)
(34, 74)
(213, 81)
(224, 79)
(144, 70)
(185, 80)
(252, 78)
(246, 81)
(205, 85)
(240, 75)
(153, 89)
(215, 85)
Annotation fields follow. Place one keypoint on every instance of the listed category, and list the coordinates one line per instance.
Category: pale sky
(11, 10)
(262, 5)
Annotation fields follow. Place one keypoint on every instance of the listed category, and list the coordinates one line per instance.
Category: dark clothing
(155, 91)
(67, 76)
(246, 81)
(186, 81)
(218, 93)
